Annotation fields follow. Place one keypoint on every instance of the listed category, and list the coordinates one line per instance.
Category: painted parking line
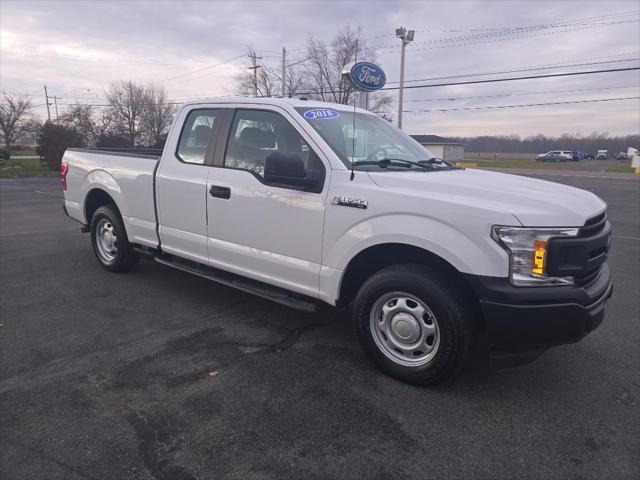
(578, 176)
(626, 237)
(51, 194)
(566, 173)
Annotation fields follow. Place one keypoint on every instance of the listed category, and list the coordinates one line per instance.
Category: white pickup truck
(305, 203)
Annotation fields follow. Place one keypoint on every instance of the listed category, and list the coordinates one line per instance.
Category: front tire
(414, 323)
(109, 240)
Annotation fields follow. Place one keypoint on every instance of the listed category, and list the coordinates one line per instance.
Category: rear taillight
(64, 169)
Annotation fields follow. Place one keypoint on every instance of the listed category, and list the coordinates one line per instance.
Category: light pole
(406, 36)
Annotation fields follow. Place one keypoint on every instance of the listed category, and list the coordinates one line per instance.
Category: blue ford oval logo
(368, 76)
(320, 114)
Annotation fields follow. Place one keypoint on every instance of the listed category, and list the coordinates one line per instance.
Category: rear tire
(110, 242)
(414, 323)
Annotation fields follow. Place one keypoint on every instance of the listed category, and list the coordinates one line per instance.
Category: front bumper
(529, 320)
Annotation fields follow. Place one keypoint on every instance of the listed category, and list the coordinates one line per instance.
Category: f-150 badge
(350, 202)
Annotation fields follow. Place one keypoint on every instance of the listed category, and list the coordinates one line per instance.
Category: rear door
(181, 183)
(272, 233)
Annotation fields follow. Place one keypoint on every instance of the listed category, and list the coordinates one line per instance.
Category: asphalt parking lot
(159, 374)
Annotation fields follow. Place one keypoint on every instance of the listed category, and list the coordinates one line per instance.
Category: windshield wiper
(386, 162)
(435, 161)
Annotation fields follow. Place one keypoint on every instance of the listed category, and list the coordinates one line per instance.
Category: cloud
(78, 48)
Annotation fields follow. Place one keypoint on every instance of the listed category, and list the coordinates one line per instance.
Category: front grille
(581, 257)
(594, 225)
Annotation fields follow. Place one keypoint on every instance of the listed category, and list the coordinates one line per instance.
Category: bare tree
(14, 118)
(323, 70)
(292, 81)
(380, 102)
(81, 119)
(157, 113)
(90, 123)
(541, 143)
(265, 79)
(269, 80)
(126, 101)
(319, 75)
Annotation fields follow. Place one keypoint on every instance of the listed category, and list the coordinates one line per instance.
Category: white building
(441, 147)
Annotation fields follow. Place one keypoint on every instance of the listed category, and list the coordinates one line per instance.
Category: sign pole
(363, 100)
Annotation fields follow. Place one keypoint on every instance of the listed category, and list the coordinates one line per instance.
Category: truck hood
(533, 202)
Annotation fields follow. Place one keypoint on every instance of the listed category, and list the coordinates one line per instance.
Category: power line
(498, 107)
(578, 21)
(550, 75)
(528, 69)
(505, 35)
(597, 17)
(299, 61)
(500, 95)
(391, 49)
(182, 75)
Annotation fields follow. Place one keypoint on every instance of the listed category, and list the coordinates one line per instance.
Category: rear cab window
(196, 133)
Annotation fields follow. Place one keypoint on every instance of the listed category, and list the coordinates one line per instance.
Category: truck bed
(134, 152)
(130, 177)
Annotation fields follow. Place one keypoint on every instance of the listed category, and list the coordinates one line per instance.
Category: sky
(197, 49)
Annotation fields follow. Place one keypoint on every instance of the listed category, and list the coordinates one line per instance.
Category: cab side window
(260, 137)
(196, 132)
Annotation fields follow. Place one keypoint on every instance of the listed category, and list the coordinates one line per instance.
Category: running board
(275, 294)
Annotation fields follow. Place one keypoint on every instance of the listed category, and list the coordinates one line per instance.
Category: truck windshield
(373, 144)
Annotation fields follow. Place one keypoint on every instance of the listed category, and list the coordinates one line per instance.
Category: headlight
(527, 248)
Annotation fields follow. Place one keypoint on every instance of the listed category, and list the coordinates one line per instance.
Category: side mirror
(287, 169)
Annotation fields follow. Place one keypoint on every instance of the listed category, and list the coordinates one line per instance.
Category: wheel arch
(97, 197)
(376, 257)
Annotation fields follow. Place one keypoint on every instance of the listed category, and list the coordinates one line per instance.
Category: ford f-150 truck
(306, 203)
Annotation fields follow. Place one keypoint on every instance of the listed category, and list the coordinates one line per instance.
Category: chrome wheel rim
(106, 240)
(405, 329)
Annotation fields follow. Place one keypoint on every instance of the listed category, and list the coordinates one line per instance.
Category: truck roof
(294, 102)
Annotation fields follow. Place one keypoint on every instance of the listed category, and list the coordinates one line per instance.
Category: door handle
(220, 192)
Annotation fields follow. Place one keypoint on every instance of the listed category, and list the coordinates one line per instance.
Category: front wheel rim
(404, 329)
(106, 240)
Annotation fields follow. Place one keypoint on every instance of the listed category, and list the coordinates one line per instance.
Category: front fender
(468, 251)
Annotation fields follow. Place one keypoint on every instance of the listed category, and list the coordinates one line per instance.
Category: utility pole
(255, 68)
(406, 37)
(284, 63)
(55, 100)
(46, 96)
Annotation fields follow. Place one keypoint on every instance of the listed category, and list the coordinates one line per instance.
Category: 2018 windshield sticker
(320, 114)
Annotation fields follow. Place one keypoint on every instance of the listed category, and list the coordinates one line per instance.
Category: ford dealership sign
(367, 76)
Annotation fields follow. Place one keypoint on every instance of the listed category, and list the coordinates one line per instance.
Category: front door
(266, 231)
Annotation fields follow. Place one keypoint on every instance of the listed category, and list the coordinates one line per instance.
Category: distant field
(499, 156)
(25, 167)
(528, 160)
(622, 168)
(27, 152)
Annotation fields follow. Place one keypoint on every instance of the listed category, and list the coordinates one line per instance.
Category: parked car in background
(575, 156)
(588, 156)
(603, 155)
(622, 156)
(555, 156)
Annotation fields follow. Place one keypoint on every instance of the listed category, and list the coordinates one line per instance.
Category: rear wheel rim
(106, 240)
(404, 329)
